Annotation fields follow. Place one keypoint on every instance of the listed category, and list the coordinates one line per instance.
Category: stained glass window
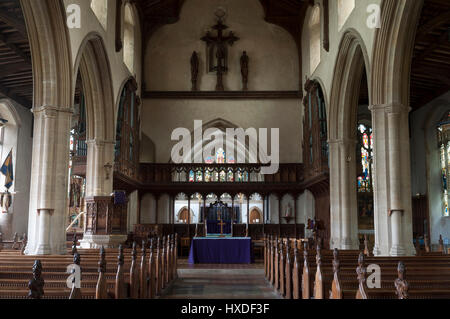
(220, 156)
(444, 150)
(366, 146)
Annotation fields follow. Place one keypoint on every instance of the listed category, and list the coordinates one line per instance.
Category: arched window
(345, 8)
(365, 144)
(128, 38)
(127, 134)
(314, 38)
(315, 132)
(100, 9)
(443, 131)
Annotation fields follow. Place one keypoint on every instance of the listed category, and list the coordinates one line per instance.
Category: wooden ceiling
(16, 78)
(430, 71)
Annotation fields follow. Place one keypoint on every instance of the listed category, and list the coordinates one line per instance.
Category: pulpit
(106, 223)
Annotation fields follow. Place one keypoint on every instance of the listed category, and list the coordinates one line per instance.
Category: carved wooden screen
(315, 134)
(127, 135)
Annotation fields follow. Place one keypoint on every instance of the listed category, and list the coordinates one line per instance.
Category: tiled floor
(220, 282)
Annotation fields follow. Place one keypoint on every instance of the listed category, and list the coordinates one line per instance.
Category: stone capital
(390, 108)
(100, 142)
(51, 110)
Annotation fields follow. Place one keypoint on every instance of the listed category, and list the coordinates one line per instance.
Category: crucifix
(219, 44)
(221, 224)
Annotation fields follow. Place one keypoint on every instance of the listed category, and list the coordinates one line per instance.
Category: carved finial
(361, 269)
(120, 258)
(36, 285)
(24, 243)
(318, 255)
(305, 250)
(77, 259)
(102, 262)
(144, 247)
(194, 70)
(134, 251)
(401, 285)
(244, 70)
(336, 263)
(74, 244)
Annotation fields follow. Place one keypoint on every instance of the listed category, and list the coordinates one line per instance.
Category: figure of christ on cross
(220, 43)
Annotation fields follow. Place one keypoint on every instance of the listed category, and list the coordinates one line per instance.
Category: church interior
(215, 149)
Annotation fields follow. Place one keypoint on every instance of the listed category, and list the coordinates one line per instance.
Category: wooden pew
(305, 275)
(76, 291)
(361, 271)
(101, 291)
(134, 274)
(401, 285)
(318, 282)
(336, 292)
(143, 277)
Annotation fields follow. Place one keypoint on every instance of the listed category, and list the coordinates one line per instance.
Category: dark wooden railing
(219, 173)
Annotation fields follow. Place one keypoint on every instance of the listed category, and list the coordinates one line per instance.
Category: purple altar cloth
(221, 251)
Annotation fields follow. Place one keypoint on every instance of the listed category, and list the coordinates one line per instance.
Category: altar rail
(255, 231)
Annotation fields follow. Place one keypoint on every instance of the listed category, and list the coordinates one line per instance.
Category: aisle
(220, 282)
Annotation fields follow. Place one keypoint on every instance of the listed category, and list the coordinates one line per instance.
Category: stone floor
(214, 281)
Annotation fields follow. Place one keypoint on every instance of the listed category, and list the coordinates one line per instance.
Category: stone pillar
(49, 181)
(392, 185)
(343, 205)
(99, 171)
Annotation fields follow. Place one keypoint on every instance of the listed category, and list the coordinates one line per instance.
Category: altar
(221, 250)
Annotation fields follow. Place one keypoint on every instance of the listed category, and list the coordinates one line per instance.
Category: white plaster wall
(90, 25)
(272, 50)
(161, 117)
(18, 138)
(148, 209)
(357, 23)
(425, 162)
(132, 211)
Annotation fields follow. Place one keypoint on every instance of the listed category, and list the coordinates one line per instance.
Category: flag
(7, 170)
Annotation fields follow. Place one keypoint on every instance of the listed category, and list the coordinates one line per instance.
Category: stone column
(343, 205)
(392, 181)
(99, 170)
(49, 181)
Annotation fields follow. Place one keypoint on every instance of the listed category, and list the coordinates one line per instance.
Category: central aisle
(212, 281)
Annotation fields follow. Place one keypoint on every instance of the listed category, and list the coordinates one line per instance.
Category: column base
(397, 250)
(349, 244)
(97, 241)
(43, 249)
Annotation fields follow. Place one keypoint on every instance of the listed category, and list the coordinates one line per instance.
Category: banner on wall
(7, 170)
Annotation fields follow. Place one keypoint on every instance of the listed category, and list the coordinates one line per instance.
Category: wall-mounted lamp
(3, 122)
(108, 168)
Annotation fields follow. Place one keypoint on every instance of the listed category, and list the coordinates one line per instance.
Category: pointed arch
(351, 61)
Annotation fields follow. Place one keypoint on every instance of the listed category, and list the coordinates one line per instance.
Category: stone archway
(351, 61)
(52, 108)
(256, 216)
(393, 48)
(100, 113)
